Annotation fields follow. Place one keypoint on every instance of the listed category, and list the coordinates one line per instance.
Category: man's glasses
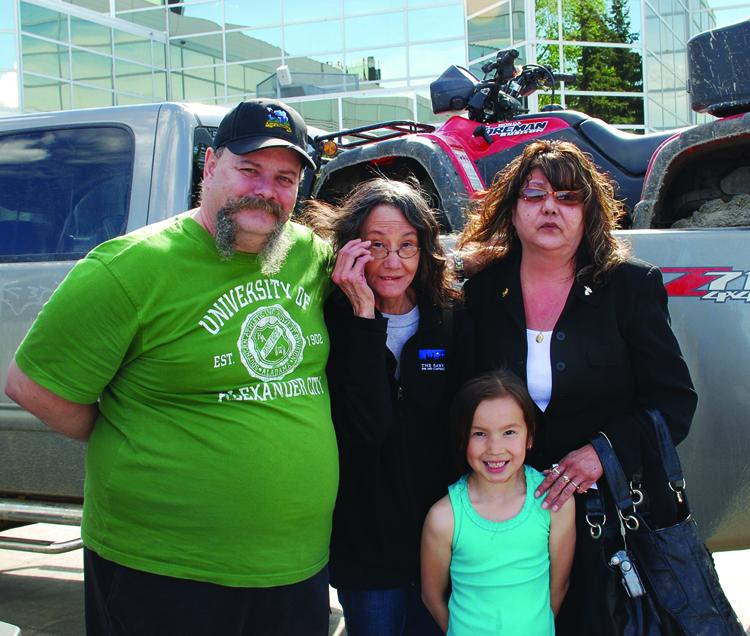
(565, 197)
(380, 251)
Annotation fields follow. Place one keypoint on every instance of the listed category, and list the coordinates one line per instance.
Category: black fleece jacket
(393, 438)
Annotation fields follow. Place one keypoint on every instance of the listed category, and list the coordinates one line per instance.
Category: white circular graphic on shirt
(271, 344)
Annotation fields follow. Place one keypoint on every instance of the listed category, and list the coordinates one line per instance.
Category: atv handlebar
(497, 96)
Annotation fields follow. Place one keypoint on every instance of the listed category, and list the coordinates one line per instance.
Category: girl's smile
(498, 441)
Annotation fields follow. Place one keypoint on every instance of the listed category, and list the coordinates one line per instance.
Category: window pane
(132, 47)
(41, 95)
(90, 35)
(195, 18)
(197, 88)
(199, 50)
(133, 78)
(159, 51)
(309, 77)
(95, 5)
(547, 20)
(257, 44)
(616, 69)
(437, 23)
(306, 10)
(375, 30)
(160, 86)
(634, 10)
(8, 57)
(390, 63)
(323, 113)
(360, 111)
(40, 21)
(432, 59)
(244, 78)
(236, 14)
(92, 69)
(490, 31)
(518, 20)
(127, 5)
(155, 19)
(356, 7)
(313, 37)
(84, 97)
(613, 110)
(7, 14)
(40, 56)
(62, 191)
(473, 6)
(599, 21)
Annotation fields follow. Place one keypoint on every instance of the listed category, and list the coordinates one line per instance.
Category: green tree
(597, 68)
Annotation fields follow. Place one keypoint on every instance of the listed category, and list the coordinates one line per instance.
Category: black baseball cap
(263, 123)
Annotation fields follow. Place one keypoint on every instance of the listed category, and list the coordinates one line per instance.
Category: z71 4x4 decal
(717, 284)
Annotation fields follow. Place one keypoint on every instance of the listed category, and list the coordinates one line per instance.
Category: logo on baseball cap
(263, 123)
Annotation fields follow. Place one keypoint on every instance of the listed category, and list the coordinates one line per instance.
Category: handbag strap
(618, 484)
(668, 452)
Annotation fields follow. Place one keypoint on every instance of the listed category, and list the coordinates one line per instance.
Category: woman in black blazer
(587, 328)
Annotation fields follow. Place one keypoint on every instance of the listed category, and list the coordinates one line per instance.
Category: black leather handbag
(668, 581)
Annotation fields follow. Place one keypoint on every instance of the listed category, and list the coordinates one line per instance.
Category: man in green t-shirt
(191, 355)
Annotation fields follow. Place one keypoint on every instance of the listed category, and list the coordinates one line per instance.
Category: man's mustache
(244, 203)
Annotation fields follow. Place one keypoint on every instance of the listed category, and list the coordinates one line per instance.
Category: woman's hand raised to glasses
(577, 471)
(349, 275)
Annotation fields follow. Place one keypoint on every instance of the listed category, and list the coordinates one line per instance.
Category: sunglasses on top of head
(565, 197)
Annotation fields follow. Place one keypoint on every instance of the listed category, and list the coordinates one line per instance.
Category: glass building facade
(345, 63)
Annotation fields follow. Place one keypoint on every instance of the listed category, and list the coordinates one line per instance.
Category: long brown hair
(567, 168)
(433, 280)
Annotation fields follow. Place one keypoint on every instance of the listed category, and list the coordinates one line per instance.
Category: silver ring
(566, 479)
(555, 469)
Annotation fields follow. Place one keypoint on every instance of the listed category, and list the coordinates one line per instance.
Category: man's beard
(274, 252)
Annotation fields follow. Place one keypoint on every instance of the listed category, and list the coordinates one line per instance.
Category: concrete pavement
(43, 594)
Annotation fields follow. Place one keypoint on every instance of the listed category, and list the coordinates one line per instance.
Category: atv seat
(632, 152)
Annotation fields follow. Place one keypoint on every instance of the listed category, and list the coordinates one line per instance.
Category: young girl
(505, 558)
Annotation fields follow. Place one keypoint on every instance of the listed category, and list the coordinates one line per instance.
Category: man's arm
(66, 417)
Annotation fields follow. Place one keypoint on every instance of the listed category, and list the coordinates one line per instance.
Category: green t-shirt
(214, 456)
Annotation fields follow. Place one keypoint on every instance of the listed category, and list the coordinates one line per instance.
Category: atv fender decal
(469, 168)
(708, 283)
(511, 130)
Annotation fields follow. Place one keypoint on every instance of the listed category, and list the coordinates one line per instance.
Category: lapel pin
(587, 290)
(505, 292)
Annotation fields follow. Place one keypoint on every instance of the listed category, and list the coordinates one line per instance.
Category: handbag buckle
(596, 522)
(636, 493)
(678, 488)
(631, 521)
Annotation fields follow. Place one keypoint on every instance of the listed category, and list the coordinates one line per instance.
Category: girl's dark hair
(490, 220)
(500, 383)
(433, 281)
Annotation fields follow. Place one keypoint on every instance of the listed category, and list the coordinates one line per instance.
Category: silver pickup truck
(69, 181)
(73, 179)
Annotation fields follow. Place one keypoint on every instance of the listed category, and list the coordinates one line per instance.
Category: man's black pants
(121, 601)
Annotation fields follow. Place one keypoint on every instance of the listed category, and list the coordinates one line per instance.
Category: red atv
(463, 155)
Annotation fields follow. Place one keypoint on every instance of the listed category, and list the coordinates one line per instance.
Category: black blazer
(612, 353)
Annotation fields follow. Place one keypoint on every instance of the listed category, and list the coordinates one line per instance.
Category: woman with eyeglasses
(396, 338)
(565, 308)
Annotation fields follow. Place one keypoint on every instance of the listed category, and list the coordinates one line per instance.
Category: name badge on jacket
(432, 359)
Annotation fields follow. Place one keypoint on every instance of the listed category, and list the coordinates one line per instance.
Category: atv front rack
(369, 134)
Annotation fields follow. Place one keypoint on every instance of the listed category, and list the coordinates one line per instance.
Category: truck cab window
(63, 191)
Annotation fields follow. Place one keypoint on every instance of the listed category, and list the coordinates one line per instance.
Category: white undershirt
(539, 367)
(400, 328)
